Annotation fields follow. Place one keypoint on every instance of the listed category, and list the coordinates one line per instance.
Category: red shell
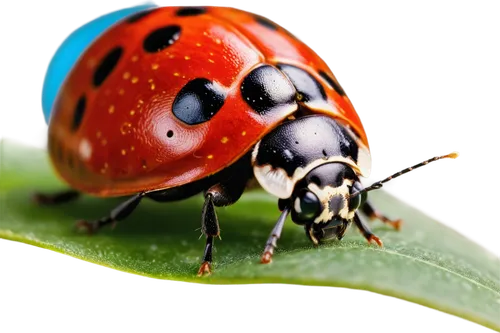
(121, 146)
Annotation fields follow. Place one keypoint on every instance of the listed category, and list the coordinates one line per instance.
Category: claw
(396, 224)
(86, 226)
(40, 199)
(267, 257)
(205, 269)
(373, 238)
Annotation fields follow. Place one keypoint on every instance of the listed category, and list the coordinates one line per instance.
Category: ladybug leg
(55, 198)
(368, 209)
(119, 213)
(219, 195)
(271, 244)
(210, 227)
(366, 232)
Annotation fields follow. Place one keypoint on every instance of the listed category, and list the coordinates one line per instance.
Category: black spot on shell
(332, 82)
(161, 38)
(266, 22)
(191, 11)
(106, 66)
(305, 83)
(273, 25)
(170, 133)
(198, 101)
(140, 15)
(78, 114)
(266, 88)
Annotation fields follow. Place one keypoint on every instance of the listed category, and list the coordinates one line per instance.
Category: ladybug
(165, 103)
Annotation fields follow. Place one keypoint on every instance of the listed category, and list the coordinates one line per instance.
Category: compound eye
(354, 203)
(307, 206)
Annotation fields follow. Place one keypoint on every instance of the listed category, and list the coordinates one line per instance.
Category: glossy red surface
(121, 146)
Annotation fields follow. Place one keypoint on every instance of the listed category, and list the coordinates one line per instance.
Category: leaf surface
(426, 263)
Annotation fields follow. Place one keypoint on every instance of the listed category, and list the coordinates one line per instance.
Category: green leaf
(426, 262)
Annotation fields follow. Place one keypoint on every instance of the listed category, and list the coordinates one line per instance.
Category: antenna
(392, 177)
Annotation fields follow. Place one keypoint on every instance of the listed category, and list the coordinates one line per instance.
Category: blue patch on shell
(67, 52)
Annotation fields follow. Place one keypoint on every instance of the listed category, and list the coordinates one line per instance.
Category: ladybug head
(326, 199)
(321, 201)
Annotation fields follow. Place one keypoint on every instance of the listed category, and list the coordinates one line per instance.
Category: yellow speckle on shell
(126, 75)
(104, 168)
(211, 61)
(210, 156)
(224, 139)
(124, 152)
(243, 133)
(125, 128)
(135, 79)
(187, 57)
(154, 66)
(176, 74)
(132, 112)
(111, 109)
(121, 92)
(135, 58)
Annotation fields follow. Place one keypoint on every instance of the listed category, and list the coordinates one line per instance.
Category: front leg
(222, 194)
(366, 232)
(272, 241)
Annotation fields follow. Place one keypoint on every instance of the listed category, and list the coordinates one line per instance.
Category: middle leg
(119, 213)
(365, 230)
(219, 195)
(370, 211)
(272, 241)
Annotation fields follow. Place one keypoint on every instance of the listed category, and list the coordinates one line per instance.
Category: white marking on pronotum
(364, 157)
(255, 151)
(364, 161)
(277, 182)
(274, 181)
